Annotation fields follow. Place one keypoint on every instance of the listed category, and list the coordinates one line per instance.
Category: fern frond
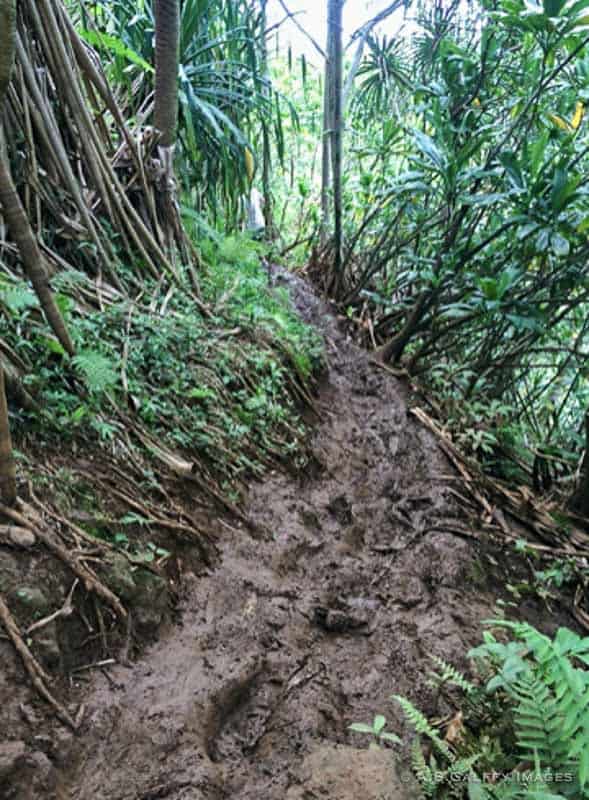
(424, 774)
(538, 723)
(422, 726)
(17, 297)
(97, 371)
(449, 674)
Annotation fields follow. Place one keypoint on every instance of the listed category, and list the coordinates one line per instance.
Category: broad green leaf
(379, 723)
(484, 199)
(429, 148)
(116, 46)
(513, 169)
(360, 727)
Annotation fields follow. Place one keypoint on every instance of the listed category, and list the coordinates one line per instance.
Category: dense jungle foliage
(465, 204)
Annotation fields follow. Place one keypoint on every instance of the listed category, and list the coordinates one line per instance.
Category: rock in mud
(335, 772)
(21, 537)
(147, 594)
(151, 600)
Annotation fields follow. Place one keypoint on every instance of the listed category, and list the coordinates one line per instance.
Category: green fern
(18, 297)
(97, 371)
(449, 674)
(424, 773)
(552, 715)
(422, 726)
(538, 723)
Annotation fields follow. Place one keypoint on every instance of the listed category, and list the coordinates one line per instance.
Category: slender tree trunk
(335, 23)
(30, 253)
(7, 467)
(167, 57)
(167, 48)
(326, 155)
(266, 145)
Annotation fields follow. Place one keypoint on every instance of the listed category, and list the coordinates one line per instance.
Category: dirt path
(298, 634)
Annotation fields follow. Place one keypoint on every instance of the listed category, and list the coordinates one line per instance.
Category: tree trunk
(167, 44)
(30, 254)
(266, 144)
(326, 155)
(167, 57)
(335, 24)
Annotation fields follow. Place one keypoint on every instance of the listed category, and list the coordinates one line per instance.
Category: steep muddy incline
(304, 629)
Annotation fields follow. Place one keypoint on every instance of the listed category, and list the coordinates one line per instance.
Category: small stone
(10, 754)
(22, 537)
(151, 601)
(47, 644)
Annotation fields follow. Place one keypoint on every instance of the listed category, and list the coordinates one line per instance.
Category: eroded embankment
(304, 629)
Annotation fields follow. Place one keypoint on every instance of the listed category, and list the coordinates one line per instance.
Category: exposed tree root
(36, 673)
(90, 581)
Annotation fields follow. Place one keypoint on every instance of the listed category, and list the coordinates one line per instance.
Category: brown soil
(295, 634)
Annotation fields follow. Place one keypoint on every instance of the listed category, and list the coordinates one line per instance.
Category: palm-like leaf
(225, 98)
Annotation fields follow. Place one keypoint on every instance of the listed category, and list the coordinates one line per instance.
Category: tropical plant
(536, 692)
(377, 730)
(226, 99)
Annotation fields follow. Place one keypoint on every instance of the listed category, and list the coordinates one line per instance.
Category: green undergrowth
(519, 730)
(225, 391)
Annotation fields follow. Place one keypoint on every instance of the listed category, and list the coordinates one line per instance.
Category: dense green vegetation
(470, 248)
(220, 388)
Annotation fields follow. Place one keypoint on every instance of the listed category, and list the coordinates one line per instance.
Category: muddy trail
(300, 631)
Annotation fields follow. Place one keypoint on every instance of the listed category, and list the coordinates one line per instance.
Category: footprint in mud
(226, 727)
